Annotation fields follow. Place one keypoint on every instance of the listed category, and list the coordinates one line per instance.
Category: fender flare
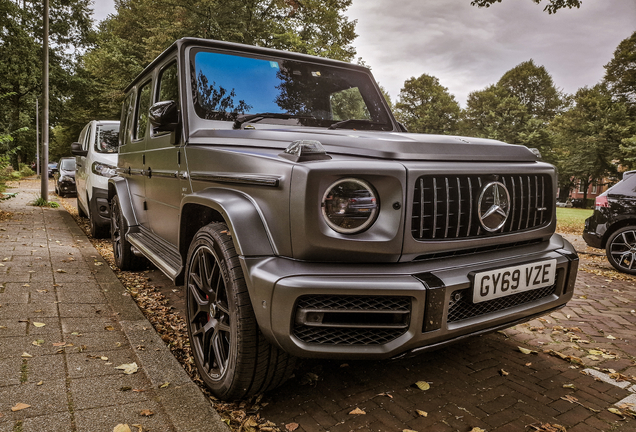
(241, 214)
(119, 186)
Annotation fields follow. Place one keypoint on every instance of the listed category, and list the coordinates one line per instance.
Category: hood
(381, 145)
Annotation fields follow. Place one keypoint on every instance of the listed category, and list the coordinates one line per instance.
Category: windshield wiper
(343, 123)
(248, 118)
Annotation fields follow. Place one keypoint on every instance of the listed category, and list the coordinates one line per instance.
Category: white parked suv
(96, 156)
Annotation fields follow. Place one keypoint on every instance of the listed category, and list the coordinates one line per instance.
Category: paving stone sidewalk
(66, 322)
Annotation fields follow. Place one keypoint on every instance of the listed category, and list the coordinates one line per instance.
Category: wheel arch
(242, 216)
(615, 227)
(119, 186)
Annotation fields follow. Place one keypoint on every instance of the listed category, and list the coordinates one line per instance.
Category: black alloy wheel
(621, 250)
(230, 352)
(125, 259)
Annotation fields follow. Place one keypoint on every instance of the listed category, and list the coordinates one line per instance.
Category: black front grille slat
(451, 209)
(465, 308)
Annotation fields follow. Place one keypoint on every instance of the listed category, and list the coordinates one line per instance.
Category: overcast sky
(468, 48)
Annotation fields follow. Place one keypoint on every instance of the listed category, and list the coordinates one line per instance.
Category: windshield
(67, 164)
(289, 92)
(107, 138)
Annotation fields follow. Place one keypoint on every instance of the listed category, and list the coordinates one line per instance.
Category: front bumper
(357, 311)
(99, 207)
(67, 187)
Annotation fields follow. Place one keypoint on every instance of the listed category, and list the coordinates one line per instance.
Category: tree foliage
(588, 135)
(517, 110)
(21, 40)
(620, 72)
(552, 7)
(425, 106)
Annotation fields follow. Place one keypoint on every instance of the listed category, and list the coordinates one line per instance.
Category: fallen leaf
(291, 427)
(527, 351)
(20, 406)
(103, 358)
(125, 388)
(164, 385)
(385, 394)
(138, 390)
(503, 372)
(610, 337)
(60, 271)
(121, 428)
(109, 328)
(612, 410)
(26, 355)
(40, 383)
(42, 291)
(570, 386)
(357, 411)
(146, 413)
(423, 385)
(421, 413)
(528, 364)
(39, 324)
(138, 426)
(128, 368)
(477, 429)
(99, 263)
(38, 342)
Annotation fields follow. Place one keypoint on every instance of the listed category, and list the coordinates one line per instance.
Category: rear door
(83, 171)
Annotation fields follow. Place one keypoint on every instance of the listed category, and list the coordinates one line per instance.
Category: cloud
(469, 48)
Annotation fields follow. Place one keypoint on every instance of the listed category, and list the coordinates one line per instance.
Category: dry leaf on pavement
(291, 427)
(39, 324)
(121, 428)
(503, 372)
(357, 411)
(422, 385)
(19, 406)
(527, 351)
(146, 413)
(477, 429)
(128, 368)
(421, 413)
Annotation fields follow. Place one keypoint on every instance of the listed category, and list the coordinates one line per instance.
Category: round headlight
(350, 206)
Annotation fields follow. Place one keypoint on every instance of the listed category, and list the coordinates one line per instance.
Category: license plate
(506, 281)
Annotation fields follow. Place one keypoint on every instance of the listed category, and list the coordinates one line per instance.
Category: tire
(621, 250)
(230, 352)
(125, 259)
(80, 211)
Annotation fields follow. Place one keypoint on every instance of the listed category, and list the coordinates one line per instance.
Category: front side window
(283, 91)
(168, 84)
(107, 138)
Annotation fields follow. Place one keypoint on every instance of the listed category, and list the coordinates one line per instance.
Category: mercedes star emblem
(493, 206)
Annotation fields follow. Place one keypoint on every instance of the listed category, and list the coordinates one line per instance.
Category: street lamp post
(45, 109)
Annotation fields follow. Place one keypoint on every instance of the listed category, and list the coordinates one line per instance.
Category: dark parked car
(65, 177)
(305, 222)
(53, 168)
(613, 225)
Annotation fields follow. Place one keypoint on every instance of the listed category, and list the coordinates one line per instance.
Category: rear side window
(126, 119)
(624, 187)
(143, 106)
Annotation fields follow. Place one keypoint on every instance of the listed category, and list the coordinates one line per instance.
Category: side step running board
(161, 253)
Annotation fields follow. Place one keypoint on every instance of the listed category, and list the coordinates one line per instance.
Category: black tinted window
(143, 106)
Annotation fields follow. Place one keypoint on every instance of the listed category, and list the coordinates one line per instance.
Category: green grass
(572, 220)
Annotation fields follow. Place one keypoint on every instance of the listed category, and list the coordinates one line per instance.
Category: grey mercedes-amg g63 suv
(305, 222)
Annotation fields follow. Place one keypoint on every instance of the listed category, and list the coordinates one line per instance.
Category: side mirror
(164, 116)
(76, 149)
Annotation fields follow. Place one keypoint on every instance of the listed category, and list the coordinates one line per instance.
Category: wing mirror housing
(164, 116)
(76, 149)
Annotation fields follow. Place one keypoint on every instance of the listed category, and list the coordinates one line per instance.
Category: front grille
(445, 206)
(351, 320)
(465, 308)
